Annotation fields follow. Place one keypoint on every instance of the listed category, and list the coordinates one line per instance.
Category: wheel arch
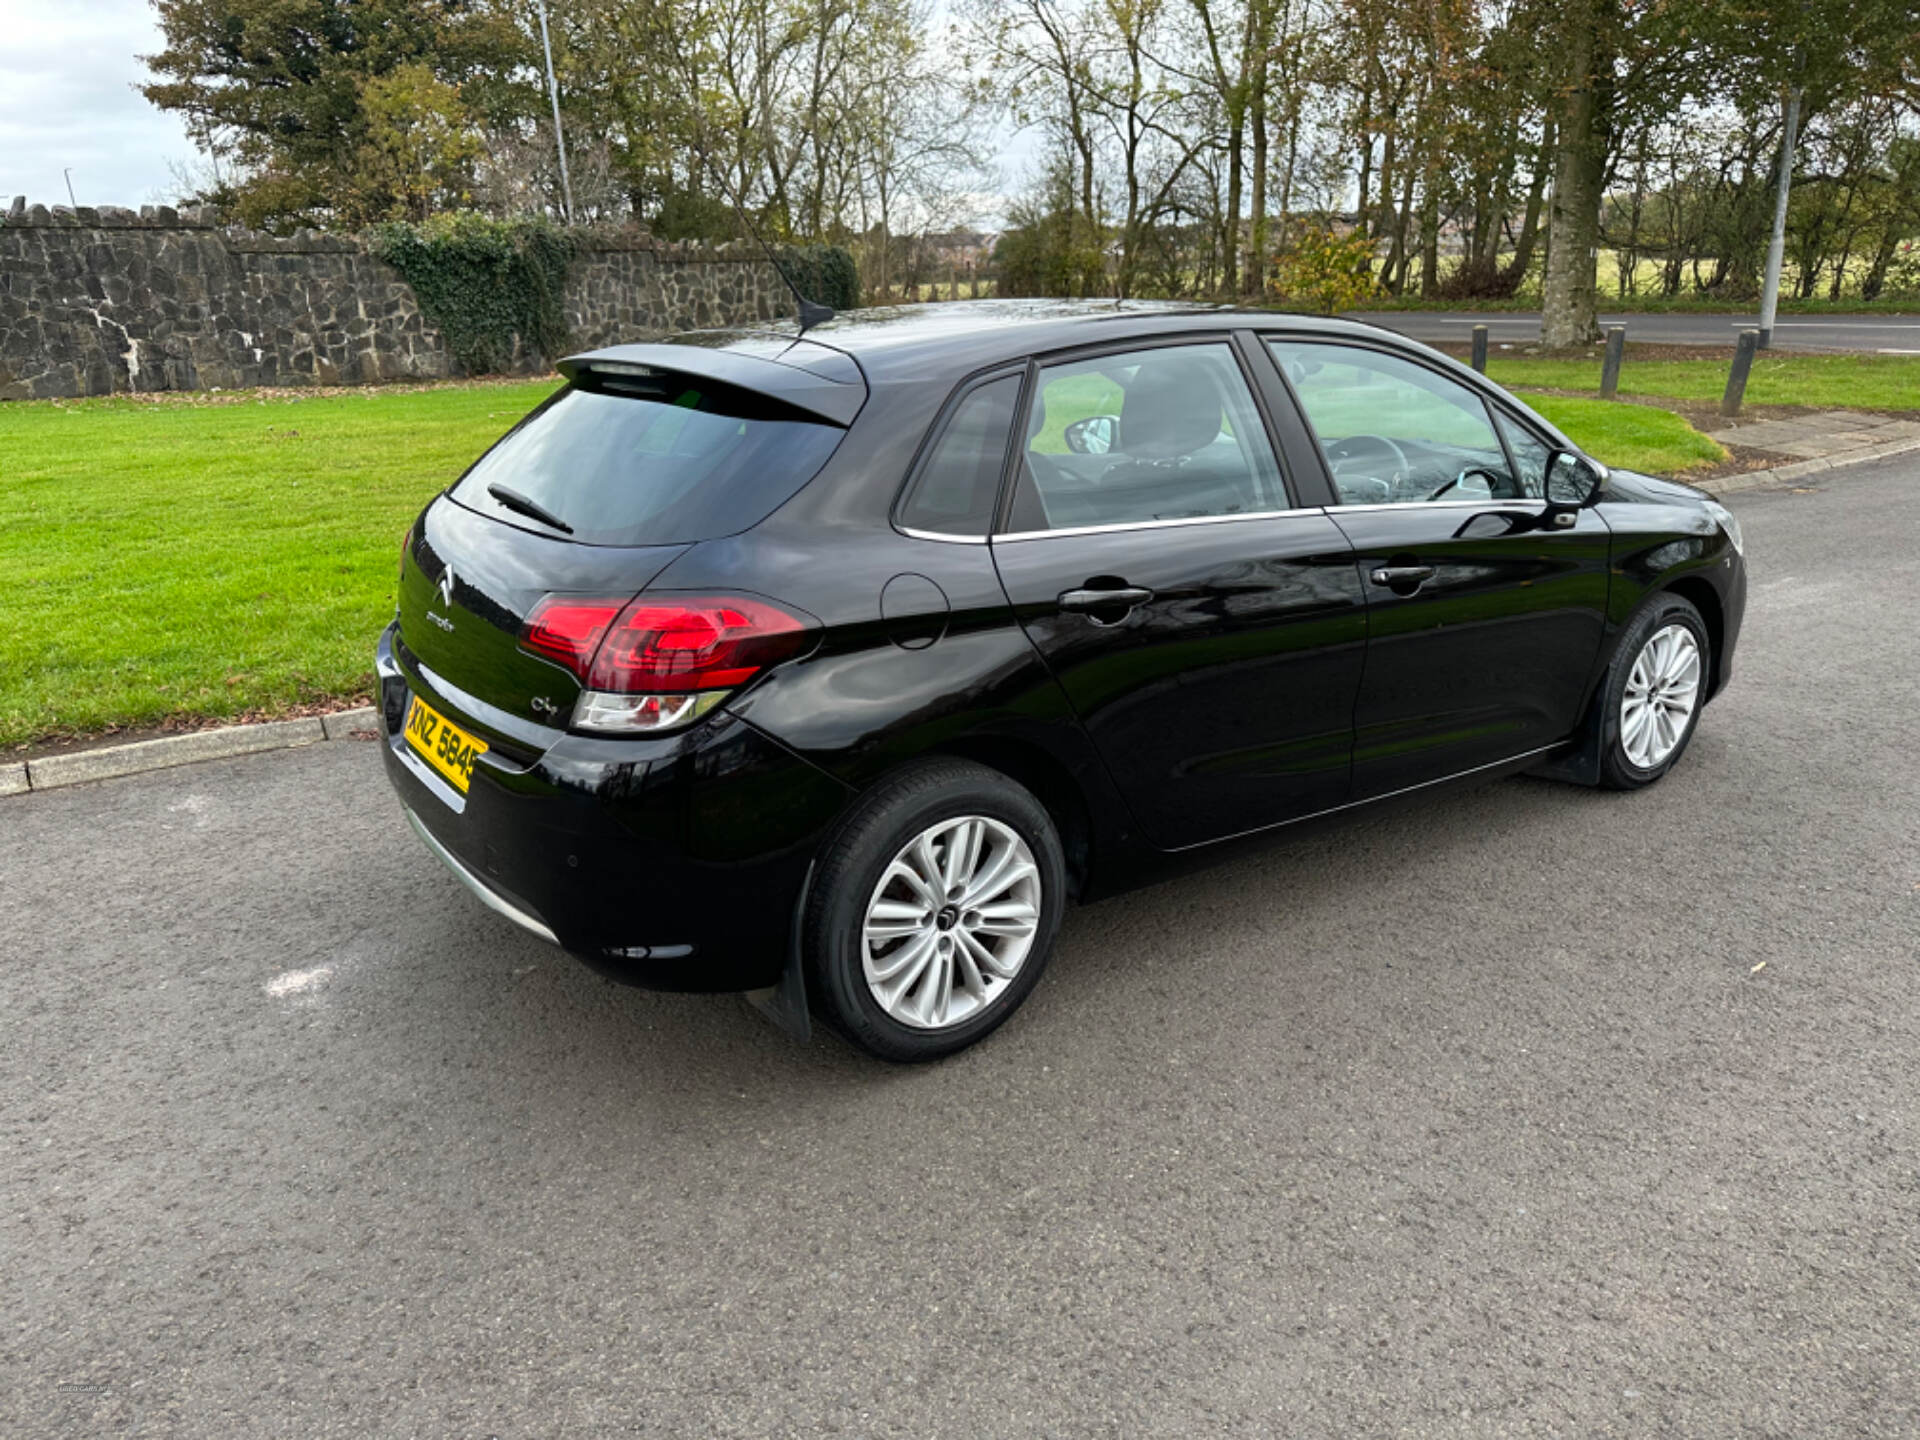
(1698, 591)
(1050, 781)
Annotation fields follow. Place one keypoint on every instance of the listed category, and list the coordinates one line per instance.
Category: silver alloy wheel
(951, 922)
(1662, 690)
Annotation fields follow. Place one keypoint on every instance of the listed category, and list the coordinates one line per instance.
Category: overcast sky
(68, 69)
(67, 72)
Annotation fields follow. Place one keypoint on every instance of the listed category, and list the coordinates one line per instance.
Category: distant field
(222, 556)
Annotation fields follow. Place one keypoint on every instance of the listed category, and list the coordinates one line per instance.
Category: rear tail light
(569, 630)
(660, 661)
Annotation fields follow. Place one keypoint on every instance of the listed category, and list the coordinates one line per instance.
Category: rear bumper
(486, 894)
(673, 863)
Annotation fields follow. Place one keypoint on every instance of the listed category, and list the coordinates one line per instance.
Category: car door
(1209, 634)
(1485, 609)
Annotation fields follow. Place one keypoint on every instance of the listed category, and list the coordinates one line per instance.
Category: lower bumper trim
(486, 894)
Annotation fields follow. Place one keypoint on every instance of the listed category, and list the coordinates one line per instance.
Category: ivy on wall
(494, 287)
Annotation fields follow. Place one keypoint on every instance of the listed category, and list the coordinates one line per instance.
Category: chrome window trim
(941, 535)
(1158, 524)
(1492, 504)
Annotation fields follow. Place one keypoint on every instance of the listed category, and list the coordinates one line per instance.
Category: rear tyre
(933, 910)
(1654, 693)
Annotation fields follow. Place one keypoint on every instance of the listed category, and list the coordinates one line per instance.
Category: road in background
(1873, 334)
(1529, 1111)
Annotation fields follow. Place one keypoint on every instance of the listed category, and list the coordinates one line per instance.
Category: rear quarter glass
(663, 461)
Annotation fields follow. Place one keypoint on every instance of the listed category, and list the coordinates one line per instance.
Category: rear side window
(1143, 436)
(957, 487)
(660, 461)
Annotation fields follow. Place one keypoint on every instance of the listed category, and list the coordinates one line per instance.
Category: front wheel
(934, 910)
(1653, 694)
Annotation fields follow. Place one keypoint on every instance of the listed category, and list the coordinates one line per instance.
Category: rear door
(1209, 634)
(1485, 618)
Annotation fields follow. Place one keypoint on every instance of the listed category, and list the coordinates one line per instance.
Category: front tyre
(1654, 694)
(934, 910)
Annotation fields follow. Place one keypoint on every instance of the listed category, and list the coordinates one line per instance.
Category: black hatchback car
(836, 665)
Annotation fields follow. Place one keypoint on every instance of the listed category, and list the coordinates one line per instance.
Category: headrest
(1172, 407)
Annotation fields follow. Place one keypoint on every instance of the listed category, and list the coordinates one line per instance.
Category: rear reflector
(682, 651)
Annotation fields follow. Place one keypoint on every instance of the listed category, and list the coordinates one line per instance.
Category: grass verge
(236, 555)
(1635, 437)
(1859, 382)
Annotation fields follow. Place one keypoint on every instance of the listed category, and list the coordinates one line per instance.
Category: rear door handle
(1124, 598)
(1395, 576)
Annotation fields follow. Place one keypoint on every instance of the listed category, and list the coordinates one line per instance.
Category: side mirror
(1094, 435)
(1573, 480)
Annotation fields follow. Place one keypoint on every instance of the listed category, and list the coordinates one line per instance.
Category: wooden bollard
(1480, 348)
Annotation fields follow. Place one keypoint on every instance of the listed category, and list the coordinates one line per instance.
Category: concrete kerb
(1799, 469)
(51, 772)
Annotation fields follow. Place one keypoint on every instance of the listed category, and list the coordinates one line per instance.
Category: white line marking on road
(1489, 322)
(1884, 351)
(299, 982)
(1834, 325)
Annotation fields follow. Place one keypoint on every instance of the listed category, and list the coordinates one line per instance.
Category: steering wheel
(1494, 482)
(1354, 447)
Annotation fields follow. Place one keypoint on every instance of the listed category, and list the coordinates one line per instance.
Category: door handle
(1395, 576)
(1123, 598)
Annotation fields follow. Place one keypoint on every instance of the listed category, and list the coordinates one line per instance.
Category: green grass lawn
(212, 559)
(219, 559)
(1867, 382)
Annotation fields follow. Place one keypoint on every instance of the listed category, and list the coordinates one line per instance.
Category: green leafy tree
(1051, 248)
(421, 144)
(333, 110)
(1327, 271)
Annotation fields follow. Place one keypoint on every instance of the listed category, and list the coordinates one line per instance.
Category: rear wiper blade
(514, 500)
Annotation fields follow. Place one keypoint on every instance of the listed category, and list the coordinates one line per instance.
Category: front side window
(1394, 431)
(955, 491)
(1143, 436)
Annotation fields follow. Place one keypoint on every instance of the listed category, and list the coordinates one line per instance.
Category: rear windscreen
(655, 461)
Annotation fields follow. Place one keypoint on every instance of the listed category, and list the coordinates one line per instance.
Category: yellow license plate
(443, 744)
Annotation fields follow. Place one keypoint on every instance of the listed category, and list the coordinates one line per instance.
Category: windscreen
(660, 460)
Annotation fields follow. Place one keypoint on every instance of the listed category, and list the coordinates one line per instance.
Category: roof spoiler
(802, 373)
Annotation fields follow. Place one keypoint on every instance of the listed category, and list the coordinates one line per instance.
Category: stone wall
(98, 301)
(625, 285)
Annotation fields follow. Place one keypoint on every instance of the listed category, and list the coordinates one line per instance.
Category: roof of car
(828, 371)
(909, 341)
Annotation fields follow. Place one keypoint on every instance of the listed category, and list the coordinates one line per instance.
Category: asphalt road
(1477, 1119)
(1874, 334)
